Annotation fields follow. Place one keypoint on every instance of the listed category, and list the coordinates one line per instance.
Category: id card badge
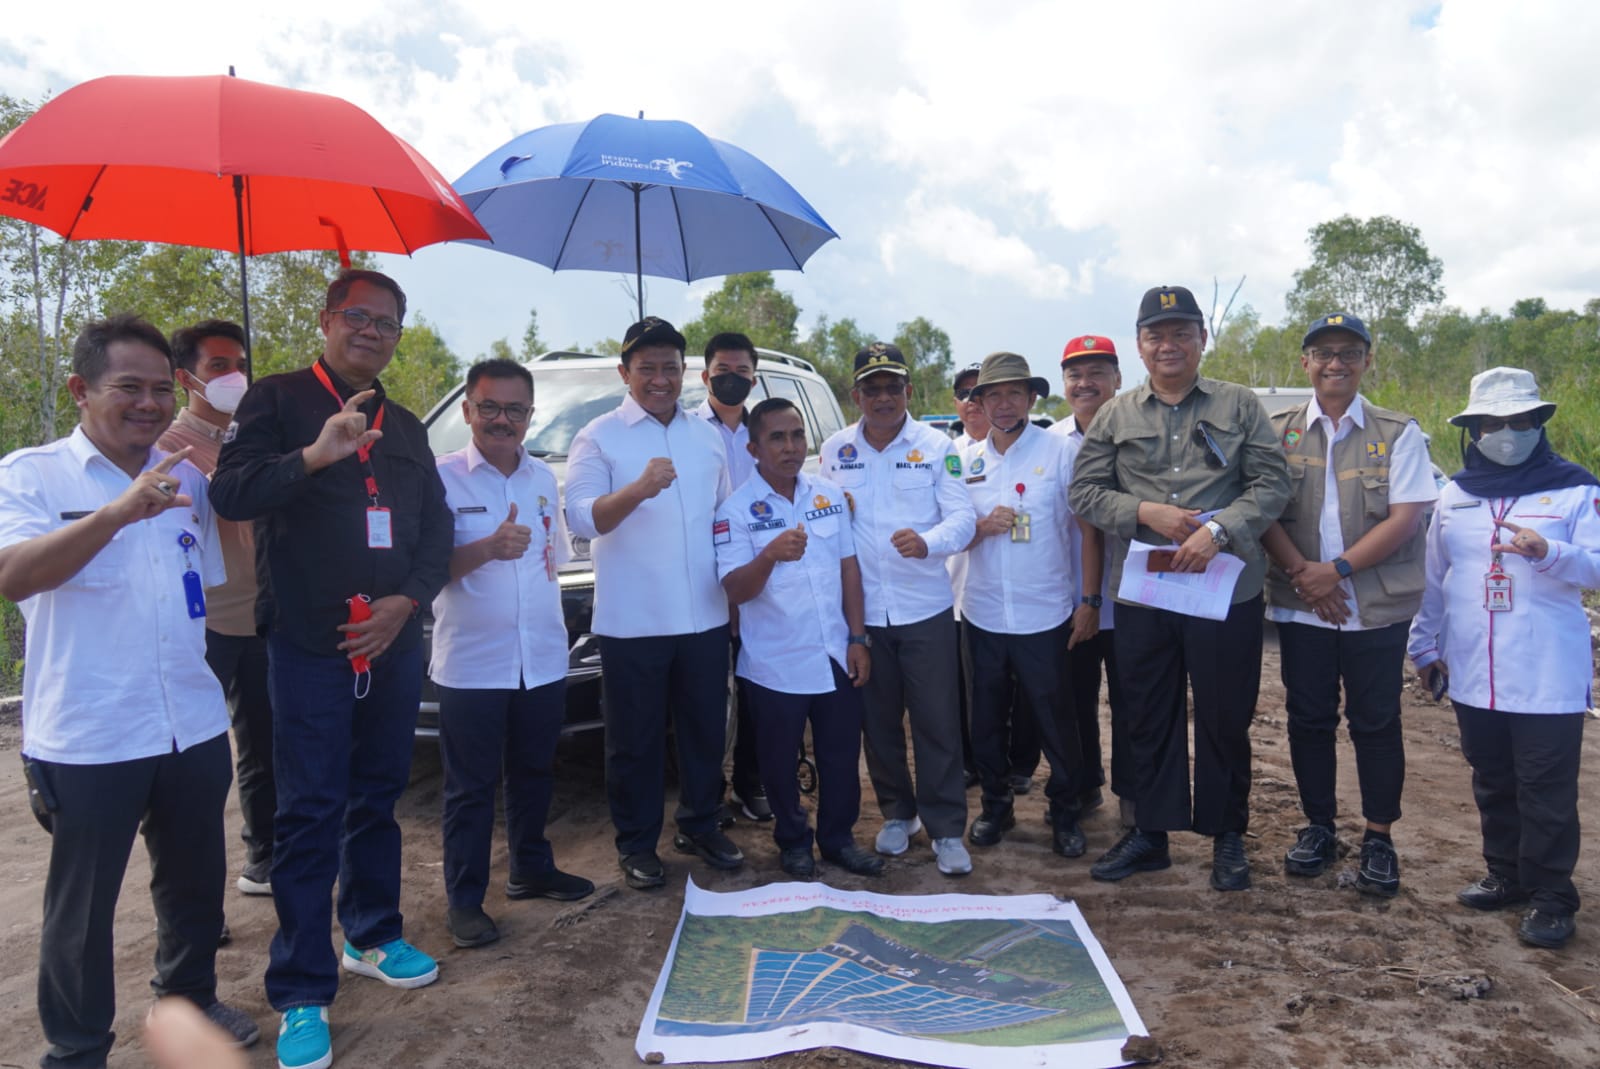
(1021, 527)
(380, 532)
(194, 594)
(1497, 592)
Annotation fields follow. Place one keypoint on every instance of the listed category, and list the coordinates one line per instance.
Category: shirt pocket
(475, 526)
(109, 567)
(1375, 493)
(1137, 447)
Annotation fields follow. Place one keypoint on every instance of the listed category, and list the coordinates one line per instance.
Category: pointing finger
(357, 400)
(171, 460)
(1508, 525)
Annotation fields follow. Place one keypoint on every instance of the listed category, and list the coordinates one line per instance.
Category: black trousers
(745, 775)
(176, 800)
(647, 681)
(1034, 667)
(1087, 661)
(1160, 656)
(1316, 660)
(1022, 745)
(486, 736)
(780, 725)
(1525, 781)
(240, 664)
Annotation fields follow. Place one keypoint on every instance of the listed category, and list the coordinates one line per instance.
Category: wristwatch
(1094, 601)
(1219, 533)
(1342, 566)
(861, 640)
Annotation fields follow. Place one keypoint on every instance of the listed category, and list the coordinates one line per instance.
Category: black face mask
(730, 388)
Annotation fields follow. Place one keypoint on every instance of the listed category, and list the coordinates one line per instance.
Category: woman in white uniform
(1514, 542)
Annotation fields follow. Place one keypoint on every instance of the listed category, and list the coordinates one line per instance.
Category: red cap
(1089, 345)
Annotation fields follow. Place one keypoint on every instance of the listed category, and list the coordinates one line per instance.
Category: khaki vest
(1388, 592)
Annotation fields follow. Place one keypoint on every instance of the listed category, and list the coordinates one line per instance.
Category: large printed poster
(967, 981)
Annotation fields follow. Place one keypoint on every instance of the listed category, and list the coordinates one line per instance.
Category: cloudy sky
(1016, 172)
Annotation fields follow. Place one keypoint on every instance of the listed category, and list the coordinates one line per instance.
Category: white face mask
(224, 392)
(1508, 447)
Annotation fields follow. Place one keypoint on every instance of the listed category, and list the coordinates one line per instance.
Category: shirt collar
(632, 411)
(475, 457)
(1357, 415)
(346, 391)
(1143, 392)
(199, 426)
(903, 436)
(86, 452)
(709, 414)
(802, 486)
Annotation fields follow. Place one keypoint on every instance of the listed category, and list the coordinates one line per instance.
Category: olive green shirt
(1140, 449)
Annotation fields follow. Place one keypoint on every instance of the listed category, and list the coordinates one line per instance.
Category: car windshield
(565, 400)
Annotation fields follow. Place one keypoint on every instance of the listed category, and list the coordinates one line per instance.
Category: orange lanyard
(363, 452)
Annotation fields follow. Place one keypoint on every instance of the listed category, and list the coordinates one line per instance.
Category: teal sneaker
(303, 1041)
(397, 963)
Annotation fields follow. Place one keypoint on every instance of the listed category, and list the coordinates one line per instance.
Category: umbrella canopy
(655, 196)
(223, 163)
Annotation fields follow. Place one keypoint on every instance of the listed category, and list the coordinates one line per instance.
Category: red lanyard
(1500, 513)
(363, 452)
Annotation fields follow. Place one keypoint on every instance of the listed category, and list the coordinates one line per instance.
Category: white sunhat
(1503, 392)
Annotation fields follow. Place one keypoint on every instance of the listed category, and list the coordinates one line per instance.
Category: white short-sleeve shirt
(116, 667)
(500, 626)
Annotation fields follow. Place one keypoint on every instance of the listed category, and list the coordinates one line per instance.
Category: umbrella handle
(338, 237)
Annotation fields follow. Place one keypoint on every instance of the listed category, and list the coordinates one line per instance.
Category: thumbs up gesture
(789, 546)
(511, 539)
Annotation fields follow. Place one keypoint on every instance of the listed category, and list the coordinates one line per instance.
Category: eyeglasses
(1215, 457)
(1521, 422)
(1347, 357)
(358, 320)
(964, 393)
(888, 389)
(491, 411)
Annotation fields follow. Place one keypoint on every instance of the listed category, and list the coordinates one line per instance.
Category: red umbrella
(224, 163)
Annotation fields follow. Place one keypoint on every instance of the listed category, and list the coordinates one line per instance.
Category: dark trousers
(240, 665)
(1033, 668)
(1316, 660)
(1022, 737)
(780, 725)
(176, 800)
(648, 680)
(1525, 781)
(1088, 659)
(486, 736)
(745, 776)
(913, 674)
(341, 763)
(1158, 652)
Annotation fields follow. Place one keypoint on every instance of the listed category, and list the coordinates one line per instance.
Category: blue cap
(1337, 321)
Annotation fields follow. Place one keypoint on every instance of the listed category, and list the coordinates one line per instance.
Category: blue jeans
(340, 763)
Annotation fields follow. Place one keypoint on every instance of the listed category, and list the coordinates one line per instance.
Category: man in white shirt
(643, 484)
(1090, 376)
(729, 375)
(500, 653)
(787, 558)
(1348, 555)
(107, 544)
(1018, 598)
(902, 480)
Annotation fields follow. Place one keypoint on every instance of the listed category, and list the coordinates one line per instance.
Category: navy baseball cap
(1168, 302)
(652, 331)
(881, 356)
(1337, 321)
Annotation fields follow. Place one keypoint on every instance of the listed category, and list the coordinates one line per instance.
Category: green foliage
(1378, 268)
(928, 349)
(423, 368)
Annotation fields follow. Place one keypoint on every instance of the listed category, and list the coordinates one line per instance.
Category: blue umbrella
(655, 195)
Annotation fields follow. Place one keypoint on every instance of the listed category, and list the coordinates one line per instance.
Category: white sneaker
(953, 857)
(895, 838)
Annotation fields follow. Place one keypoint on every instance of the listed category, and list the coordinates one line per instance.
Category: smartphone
(1160, 560)
(40, 798)
(1440, 684)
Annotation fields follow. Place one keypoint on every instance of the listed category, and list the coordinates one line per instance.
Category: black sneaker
(712, 847)
(642, 871)
(1230, 869)
(1020, 783)
(753, 804)
(798, 862)
(471, 927)
(1492, 892)
(990, 828)
(256, 879)
(561, 886)
(241, 1028)
(1134, 852)
(853, 858)
(1547, 928)
(1066, 837)
(1379, 873)
(1314, 850)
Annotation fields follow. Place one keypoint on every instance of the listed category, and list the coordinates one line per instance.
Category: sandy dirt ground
(1304, 973)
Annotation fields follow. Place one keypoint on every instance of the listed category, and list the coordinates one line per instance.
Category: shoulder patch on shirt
(721, 532)
(847, 453)
(952, 464)
(761, 510)
(1291, 439)
(473, 508)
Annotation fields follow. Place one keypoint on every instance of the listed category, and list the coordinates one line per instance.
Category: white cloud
(954, 235)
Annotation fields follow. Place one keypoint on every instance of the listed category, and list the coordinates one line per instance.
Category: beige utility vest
(1388, 592)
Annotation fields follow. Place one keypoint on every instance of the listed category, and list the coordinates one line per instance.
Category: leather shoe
(1134, 852)
(1067, 837)
(990, 828)
(853, 858)
(752, 804)
(1547, 928)
(1491, 892)
(1019, 783)
(642, 871)
(561, 886)
(1230, 869)
(713, 847)
(471, 927)
(798, 862)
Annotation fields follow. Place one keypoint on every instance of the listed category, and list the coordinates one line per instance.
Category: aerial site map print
(956, 980)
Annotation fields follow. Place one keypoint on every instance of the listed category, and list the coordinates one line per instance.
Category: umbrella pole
(638, 254)
(244, 282)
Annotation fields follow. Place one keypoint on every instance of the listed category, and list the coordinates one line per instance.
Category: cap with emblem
(881, 356)
(1336, 321)
(1089, 346)
(970, 371)
(652, 331)
(1009, 367)
(1168, 302)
